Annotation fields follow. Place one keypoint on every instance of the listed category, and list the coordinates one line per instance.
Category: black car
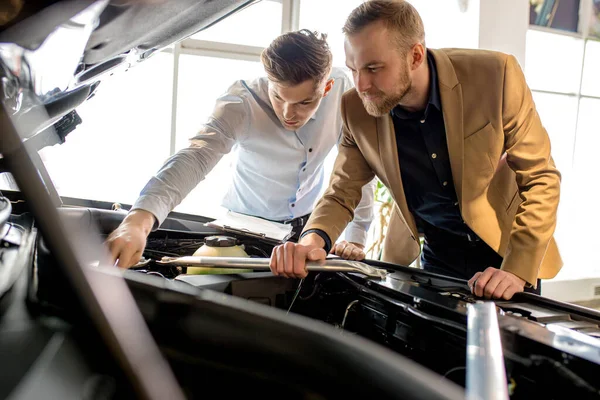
(72, 326)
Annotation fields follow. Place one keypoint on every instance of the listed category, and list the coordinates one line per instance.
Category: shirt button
(293, 205)
(445, 183)
(303, 169)
(422, 121)
(434, 155)
(310, 150)
(456, 203)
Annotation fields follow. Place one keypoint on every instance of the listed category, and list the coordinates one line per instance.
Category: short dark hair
(295, 57)
(398, 15)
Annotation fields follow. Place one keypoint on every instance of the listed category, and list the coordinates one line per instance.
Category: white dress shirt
(277, 174)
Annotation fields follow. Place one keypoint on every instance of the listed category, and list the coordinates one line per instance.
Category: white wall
(448, 24)
(503, 26)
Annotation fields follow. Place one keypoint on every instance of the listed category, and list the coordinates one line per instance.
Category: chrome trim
(263, 264)
(486, 376)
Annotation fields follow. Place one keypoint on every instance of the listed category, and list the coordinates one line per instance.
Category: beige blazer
(507, 184)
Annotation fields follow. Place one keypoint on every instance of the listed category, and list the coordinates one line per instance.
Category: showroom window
(123, 139)
(562, 69)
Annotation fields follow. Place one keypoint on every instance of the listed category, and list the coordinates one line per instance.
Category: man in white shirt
(283, 126)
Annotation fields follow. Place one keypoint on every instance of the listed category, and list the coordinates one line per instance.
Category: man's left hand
(348, 250)
(494, 283)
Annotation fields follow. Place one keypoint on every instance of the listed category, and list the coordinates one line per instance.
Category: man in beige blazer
(455, 136)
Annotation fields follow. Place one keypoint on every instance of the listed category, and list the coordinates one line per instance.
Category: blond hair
(398, 15)
(295, 57)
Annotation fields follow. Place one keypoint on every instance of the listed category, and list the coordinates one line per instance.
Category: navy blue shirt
(425, 163)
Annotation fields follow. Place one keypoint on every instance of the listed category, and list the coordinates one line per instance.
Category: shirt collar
(434, 95)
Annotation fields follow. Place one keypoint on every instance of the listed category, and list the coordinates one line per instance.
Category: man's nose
(288, 111)
(362, 82)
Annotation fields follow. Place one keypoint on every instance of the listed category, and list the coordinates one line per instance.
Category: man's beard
(383, 103)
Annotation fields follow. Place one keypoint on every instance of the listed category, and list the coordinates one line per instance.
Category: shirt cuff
(152, 205)
(321, 233)
(356, 234)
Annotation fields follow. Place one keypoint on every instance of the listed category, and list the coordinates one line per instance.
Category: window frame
(585, 14)
(290, 21)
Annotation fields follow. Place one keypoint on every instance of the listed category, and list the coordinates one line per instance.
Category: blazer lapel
(452, 106)
(388, 151)
(453, 113)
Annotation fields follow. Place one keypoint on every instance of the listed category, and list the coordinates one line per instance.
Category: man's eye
(374, 69)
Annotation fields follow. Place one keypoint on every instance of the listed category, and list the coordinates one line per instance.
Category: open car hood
(54, 54)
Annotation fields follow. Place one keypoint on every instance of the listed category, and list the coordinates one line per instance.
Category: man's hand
(127, 242)
(494, 283)
(289, 259)
(348, 250)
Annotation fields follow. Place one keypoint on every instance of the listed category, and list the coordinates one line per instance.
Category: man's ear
(419, 56)
(328, 86)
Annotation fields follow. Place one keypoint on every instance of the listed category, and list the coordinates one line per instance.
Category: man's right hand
(127, 242)
(289, 259)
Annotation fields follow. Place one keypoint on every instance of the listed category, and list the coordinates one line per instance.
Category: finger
(340, 248)
(493, 283)
(273, 261)
(500, 289)
(288, 259)
(361, 254)
(357, 254)
(299, 267)
(115, 250)
(482, 282)
(135, 258)
(473, 279)
(280, 264)
(510, 292)
(316, 255)
(125, 257)
(347, 252)
(335, 249)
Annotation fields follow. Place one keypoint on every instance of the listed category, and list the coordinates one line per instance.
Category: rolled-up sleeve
(358, 229)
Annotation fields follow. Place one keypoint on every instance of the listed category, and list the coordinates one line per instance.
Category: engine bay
(550, 348)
